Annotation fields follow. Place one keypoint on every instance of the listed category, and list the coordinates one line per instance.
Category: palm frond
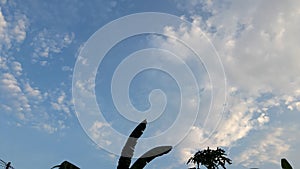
(150, 155)
(128, 149)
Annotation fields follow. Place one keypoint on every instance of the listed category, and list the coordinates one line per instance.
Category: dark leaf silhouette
(5, 165)
(128, 149)
(66, 165)
(150, 155)
(285, 164)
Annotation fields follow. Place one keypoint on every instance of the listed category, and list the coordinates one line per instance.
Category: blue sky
(237, 87)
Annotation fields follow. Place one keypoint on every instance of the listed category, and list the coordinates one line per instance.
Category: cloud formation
(259, 50)
(46, 43)
(12, 29)
(21, 100)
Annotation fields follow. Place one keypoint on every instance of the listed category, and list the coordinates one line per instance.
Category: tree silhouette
(66, 165)
(128, 150)
(211, 159)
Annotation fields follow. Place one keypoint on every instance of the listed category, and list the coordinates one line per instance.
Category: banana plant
(128, 150)
(285, 164)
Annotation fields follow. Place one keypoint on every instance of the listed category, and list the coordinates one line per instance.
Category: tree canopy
(209, 158)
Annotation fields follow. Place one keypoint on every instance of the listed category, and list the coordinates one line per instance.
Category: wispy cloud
(12, 29)
(48, 42)
(63, 104)
(12, 95)
(269, 147)
(260, 55)
(21, 100)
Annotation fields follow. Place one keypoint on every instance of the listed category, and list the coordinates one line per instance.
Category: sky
(76, 77)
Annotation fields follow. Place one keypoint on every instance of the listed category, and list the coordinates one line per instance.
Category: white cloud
(13, 99)
(204, 6)
(86, 87)
(265, 53)
(46, 127)
(20, 29)
(12, 29)
(17, 67)
(235, 125)
(25, 105)
(67, 68)
(269, 148)
(297, 105)
(62, 104)
(24, 102)
(258, 45)
(36, 93)
(3, 24)
(100, 134)
(21, 100)
(12, 95)
(47, 42)
(263, 118)
(3, 63)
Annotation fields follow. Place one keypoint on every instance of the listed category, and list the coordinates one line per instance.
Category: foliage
(128, 150)
(211, 159)
(66, 165)
(150, 155)
(5, 165)
(285, 164)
